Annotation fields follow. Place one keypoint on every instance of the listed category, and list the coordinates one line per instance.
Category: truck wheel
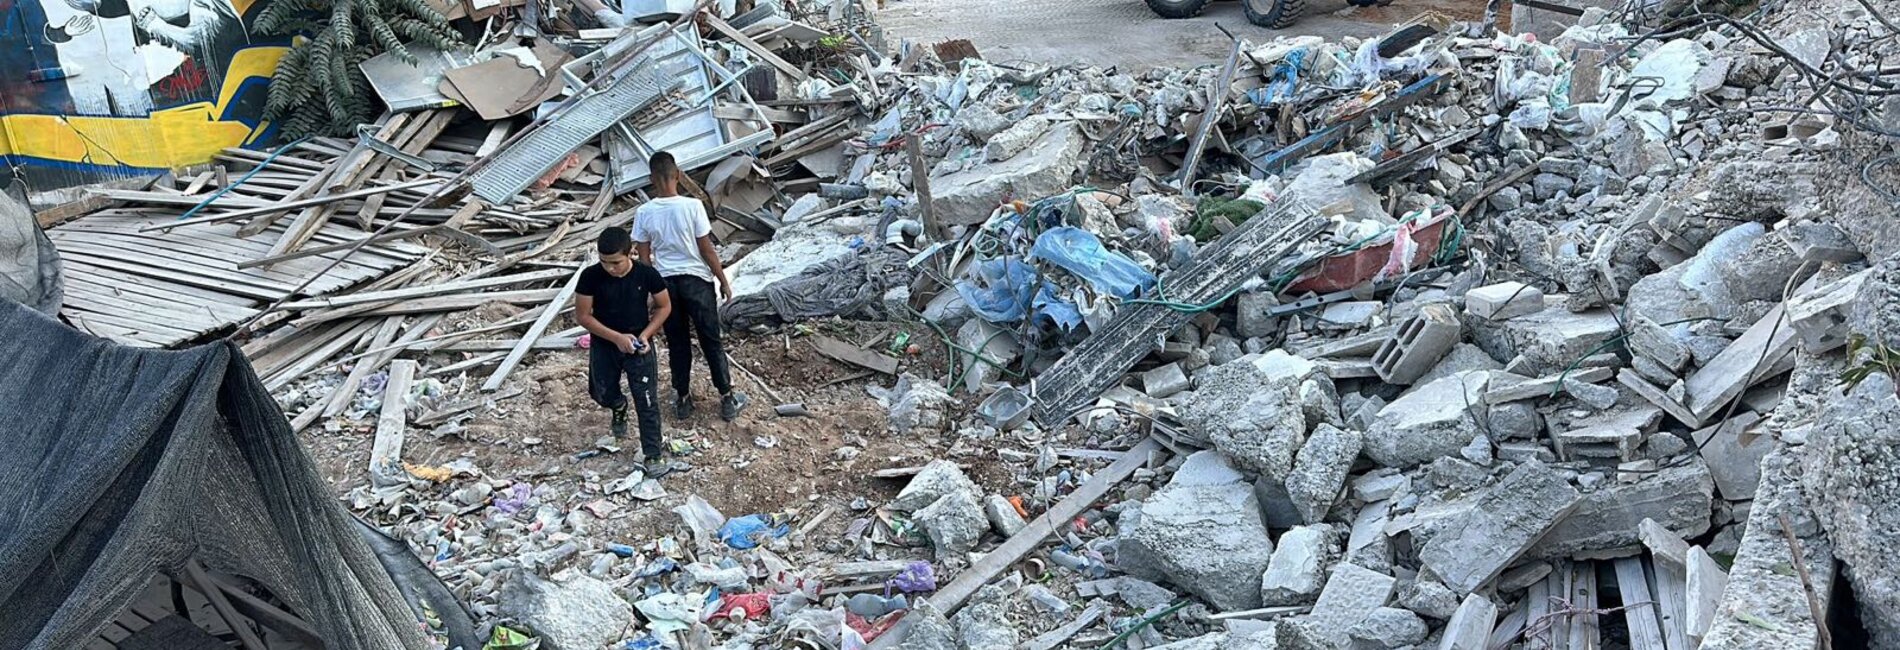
(1177, 8)
(1279, 14)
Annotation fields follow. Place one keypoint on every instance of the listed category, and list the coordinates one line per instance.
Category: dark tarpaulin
(122, 463)
(851, 285)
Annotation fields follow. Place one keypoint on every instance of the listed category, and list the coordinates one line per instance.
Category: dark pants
(695, 311)
(605, 364)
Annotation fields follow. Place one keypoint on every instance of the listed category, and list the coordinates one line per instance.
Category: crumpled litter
(750, 531)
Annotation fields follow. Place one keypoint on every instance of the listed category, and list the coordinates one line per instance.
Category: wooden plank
(300, 366)
(1219, 269)
(344, 393)
(135, 327)
(920, 185)
(1511, 627)
(1585, 632)
(854, 355)
(534, 333)
(720, 25)
(186, 257)
(78, 267)
(106, 260)
(992, 564)
(153, 296)
(1639, 612)
(310, 186)
(405, 293)
(439, 303)
(385, 455)
(131, 312)
(1056, 637)
(1217, 98)
(237, 623)
(292, 205)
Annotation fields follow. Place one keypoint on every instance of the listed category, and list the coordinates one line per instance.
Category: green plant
(318, 88)
(1877, 358)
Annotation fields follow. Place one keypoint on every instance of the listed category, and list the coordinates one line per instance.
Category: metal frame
(628, 147)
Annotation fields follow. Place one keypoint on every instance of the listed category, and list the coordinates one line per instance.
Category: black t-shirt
(621, 303)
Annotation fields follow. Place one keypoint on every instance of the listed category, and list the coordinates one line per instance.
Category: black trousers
(695, 312)
(605, 364)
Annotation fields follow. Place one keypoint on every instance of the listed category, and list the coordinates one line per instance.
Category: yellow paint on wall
(167, 139)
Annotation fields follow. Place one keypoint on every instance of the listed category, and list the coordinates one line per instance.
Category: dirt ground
(537, 436)
(1125, 33)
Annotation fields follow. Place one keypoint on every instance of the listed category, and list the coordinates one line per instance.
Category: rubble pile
(1450, 338)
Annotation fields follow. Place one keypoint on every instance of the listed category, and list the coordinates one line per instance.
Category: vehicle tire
(1279, 14)
(1177, 8)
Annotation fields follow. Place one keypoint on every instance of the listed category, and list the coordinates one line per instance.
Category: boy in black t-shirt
(611, 302)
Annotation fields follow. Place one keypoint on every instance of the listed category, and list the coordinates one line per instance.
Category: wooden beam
(1216, 99)
(534, 333)
(424, 290)
(719, 25)
(920, 184)
(232, 619)
(1639, 607)
(385, 455)
(953, 595)
(291, 205)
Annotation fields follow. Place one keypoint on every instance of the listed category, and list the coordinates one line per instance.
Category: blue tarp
(1078, 251)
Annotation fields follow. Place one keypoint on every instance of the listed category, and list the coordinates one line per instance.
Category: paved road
(1125, 33)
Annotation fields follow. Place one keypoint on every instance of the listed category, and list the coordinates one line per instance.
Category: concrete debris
(1504, 523)
(1003, 516)
(1388, 628)
(1852, 478)
(954, 523)
(1605, 523)
(1417, 344)
(1430, 599)
(1044, 167)
(937, 479)
(1470, 627)
(1299, 565)
(1427, 422)
(1351, 595)
(1320, 472)
(1503, 301)
(984, 624)
(570, 612)
(1208, 540)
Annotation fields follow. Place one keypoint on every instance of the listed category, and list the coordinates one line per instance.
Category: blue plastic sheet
(1284, 81)
(999, 290)
(1062, 312)
(749, 531)
(1078, 251)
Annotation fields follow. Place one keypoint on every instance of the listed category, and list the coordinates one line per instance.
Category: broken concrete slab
(1613, 434)
(1417, 344)
(1706, 582)
(1209, 540)
(1746, 361)
(1299, 565)
(1388, 628)
(1003, 516)
(1605, 523)
(1820, 315)
(1503, 301)
(1463, 357)
(1206, 467)
(1045, 167)
(1656, 343)
(984, 624)
(954, 523)
(1664, 545)
(570, 612)
(1733, 455)
(1251, 640)
(1165, 381)
(1320, 472)
(1504, 523)
(938, 478)
(1551, 339)
(1431, 599)
(1514, 420)
(1470, 626)
(1596, 396)
(1351, 594)
(1427, 422)
(1251, 410)
(1852, 478)
(1766, 604)
(1508, 387)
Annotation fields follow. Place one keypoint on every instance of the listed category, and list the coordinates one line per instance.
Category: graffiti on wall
(92, 90)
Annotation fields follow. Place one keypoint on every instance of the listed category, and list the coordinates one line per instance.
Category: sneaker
(731, 405)
(619, 426)
(683, 407)
(656, 467)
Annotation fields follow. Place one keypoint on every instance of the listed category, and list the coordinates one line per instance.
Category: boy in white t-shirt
(675, 237)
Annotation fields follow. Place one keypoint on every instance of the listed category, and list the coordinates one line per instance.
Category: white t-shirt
(672, 226)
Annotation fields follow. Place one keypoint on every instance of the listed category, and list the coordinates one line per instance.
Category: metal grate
(520, 165)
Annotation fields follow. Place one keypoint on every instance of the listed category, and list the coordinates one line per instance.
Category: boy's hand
(624, 342)
(725, 292)
(643, 344)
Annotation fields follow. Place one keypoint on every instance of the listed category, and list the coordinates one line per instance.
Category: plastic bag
(916, 576)
(1078, 251)
(749, 531)
(999, 290)
(743, 606)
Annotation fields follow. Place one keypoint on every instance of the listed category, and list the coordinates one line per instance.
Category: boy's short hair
(661, 165)
(614, 241)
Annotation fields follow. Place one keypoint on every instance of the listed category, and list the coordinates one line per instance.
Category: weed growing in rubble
(1877, 358)
(318, 88)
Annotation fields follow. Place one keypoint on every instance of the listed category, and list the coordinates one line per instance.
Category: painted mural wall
(96, 90)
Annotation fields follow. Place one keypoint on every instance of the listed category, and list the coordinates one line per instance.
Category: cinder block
(1820, 316)
(1418, 344)
(1503, 300)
